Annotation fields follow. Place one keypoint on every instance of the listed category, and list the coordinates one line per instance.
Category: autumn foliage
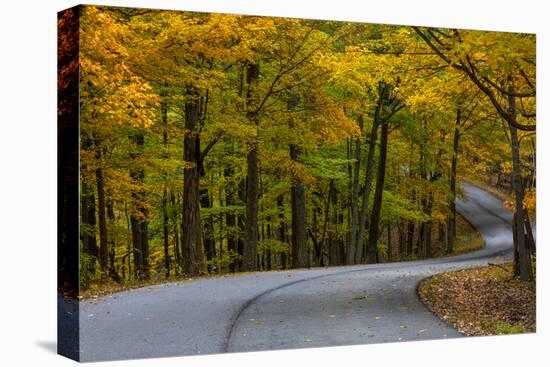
(214, 143)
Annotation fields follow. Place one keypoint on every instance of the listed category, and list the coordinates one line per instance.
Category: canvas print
(234, 183)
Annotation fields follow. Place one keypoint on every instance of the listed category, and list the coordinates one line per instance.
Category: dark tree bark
(378, 192)
(88, 212)
(282, 229)
(268, 251)
(251, 226)
(390, 244)
(175, 226)
(352, 249)
(193, 252)
(524, 257)
(410, 237)
(451, 221)
(334, 242)
(241, 221)
(231, 221)
(250, 252)
(427, 237)
(402, 241)
(113, 270)
(101, 210)
(369, 168)
(324, 244)
(138, 216)
(298, 204)
(165, 219)
(208, 224)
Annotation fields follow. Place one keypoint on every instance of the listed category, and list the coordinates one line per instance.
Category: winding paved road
(285, 309)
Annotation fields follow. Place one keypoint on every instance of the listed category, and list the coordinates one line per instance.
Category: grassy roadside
(482, 301)
(467, 239)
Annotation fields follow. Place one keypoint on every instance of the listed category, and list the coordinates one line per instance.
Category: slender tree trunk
(348, 240)
(428, 246)
(282, 230)
(334, 238)
(102, 219)
(269, 236)
(352, 249)
(193, 252)
(175, 221)
(390, 244)
(165, 219)
(523, 260)
(524, 257)
(241, 221)
(138, 216)
(250, 252)
(231, 222)
(88, 213)
(324, 244)
(113, 270)
(451, 221)
(208, 224)
(369, 169)
(402, 241)
(298, 204)
(378, 193)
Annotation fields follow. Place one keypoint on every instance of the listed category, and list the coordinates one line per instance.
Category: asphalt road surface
(286, 309)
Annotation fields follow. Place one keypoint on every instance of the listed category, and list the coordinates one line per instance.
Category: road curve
(286, 309)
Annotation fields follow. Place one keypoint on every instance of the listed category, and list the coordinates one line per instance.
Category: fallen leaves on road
(481, 301)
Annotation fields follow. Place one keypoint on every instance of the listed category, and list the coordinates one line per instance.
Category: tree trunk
(390, 249)
(102, 219)
(410, 237)
(282, 230)
(175, 221)
(231, 222)
(88, 212)
(298, 204)
(193, 253)
(250, 251)
(324, 241)
(378, 193)
(138, 217)
(165, 219)
(524, 260)
(352, 249)
(451, 221)
(428, 245)
(369, 168)
(208, 228)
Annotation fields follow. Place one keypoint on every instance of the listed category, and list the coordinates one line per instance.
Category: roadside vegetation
(487, 300)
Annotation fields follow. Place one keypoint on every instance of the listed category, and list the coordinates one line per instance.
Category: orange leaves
(283, 166)
(111, 93)
(480, 301)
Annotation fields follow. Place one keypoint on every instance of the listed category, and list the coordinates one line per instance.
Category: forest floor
(487, 300)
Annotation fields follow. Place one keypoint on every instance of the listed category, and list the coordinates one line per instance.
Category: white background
(28, 181)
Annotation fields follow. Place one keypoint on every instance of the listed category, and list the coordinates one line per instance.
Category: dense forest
(215, 143)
